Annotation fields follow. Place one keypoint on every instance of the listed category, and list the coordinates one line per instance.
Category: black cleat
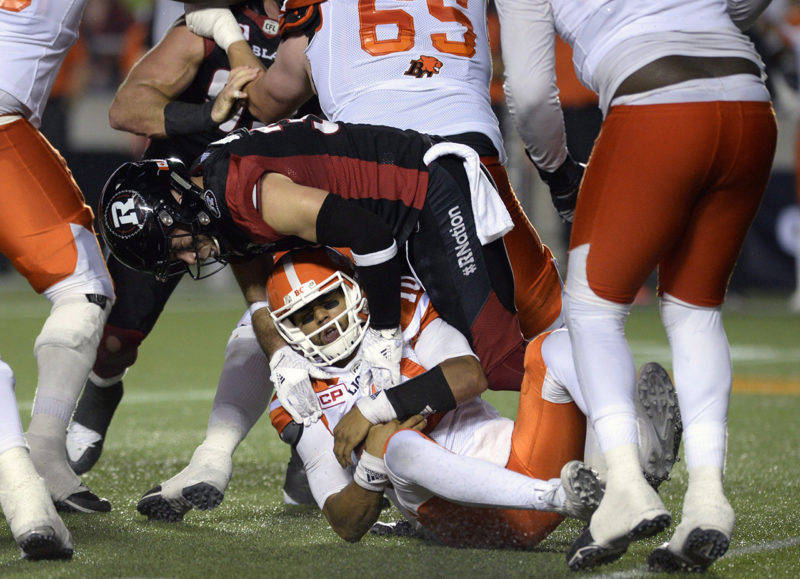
(702, 548)
(43, 543)
(586, 554)
(83, 502)
(89, 425)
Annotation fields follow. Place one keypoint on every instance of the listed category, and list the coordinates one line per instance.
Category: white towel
(492, 219)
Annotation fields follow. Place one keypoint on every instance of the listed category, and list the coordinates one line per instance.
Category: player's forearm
(138, 110)
(352, 511)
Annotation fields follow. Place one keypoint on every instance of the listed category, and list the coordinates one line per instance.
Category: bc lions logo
(124, 216)
(425, 66)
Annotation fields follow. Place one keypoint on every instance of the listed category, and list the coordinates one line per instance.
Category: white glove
(214, 20)
(291, 375)
(381, 353)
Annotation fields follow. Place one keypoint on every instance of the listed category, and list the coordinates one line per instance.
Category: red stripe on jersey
(347, 177)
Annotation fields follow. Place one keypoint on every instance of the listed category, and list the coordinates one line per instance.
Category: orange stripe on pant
(537, 285)
(545, 437)
(675, 186)
(38, 200)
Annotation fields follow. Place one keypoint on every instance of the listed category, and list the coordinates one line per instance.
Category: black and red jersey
(262, 35)
(380, 167)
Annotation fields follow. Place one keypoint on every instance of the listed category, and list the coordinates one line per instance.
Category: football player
(430, 75)
(391, 196)
(491, 496)
(182, 96)
(46, 232)
(675, 179)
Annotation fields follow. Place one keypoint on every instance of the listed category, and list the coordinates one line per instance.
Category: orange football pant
(673, 186)
(39, 198)
(537, 284)
(545, 437)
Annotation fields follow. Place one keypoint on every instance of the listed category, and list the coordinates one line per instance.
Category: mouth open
(330, 335)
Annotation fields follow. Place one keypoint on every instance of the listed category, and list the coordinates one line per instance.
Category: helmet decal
(125, 214)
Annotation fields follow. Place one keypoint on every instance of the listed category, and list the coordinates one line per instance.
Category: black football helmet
(138, 212)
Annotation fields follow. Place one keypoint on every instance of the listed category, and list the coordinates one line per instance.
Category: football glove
(381, 353)
(291, 375)
(564, 184)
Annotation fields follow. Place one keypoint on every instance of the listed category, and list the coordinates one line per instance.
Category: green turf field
(253, 534)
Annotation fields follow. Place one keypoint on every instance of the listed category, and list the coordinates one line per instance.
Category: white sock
(412, 458)
(603, 360)
(243, 391)
(702, 371)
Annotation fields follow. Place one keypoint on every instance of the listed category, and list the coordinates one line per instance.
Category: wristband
(423, 394)
(188, 118)
(255, 306)
(371, 473)
(377, 408)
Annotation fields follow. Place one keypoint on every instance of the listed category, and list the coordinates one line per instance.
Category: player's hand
(291, 375)
(380, 433)
(213, 19)
(564, 184)
(230, 99)
(351, 431)
(381, 351)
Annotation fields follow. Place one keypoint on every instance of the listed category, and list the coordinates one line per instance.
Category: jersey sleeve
(325, 476)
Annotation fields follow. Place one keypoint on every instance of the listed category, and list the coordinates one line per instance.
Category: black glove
(564, 184)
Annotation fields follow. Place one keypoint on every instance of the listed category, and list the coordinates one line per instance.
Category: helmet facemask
(351, 323)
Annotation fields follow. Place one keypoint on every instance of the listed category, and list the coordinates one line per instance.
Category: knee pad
(118, 350)
(76, 323)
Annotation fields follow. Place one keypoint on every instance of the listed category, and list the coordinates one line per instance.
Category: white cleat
(659, 421)
(702, 537)
(201, 485)
(630, 510)
(38, 530)
(582, 489)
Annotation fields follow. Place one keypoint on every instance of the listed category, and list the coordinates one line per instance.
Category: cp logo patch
(124, 215)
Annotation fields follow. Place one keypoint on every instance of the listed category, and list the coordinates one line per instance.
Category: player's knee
(117, 351)
(75, 322)
(402, 449)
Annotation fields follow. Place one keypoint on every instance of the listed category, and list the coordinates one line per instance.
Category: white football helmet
(304, 275)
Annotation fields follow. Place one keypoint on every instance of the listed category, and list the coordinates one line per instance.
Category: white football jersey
(427, 341)
(412, 64)
(34, 39)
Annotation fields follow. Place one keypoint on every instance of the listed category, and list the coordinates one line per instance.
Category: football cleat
(28, 507)
(630, 510)
(701, 548)
(89, 425)
(45, 543)
(400, 528)
(585, 552)
(84, 447)
(156, 507)
(703, 535)
(201, 485)
(83, 501)
(582, 488)
(659, 421)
